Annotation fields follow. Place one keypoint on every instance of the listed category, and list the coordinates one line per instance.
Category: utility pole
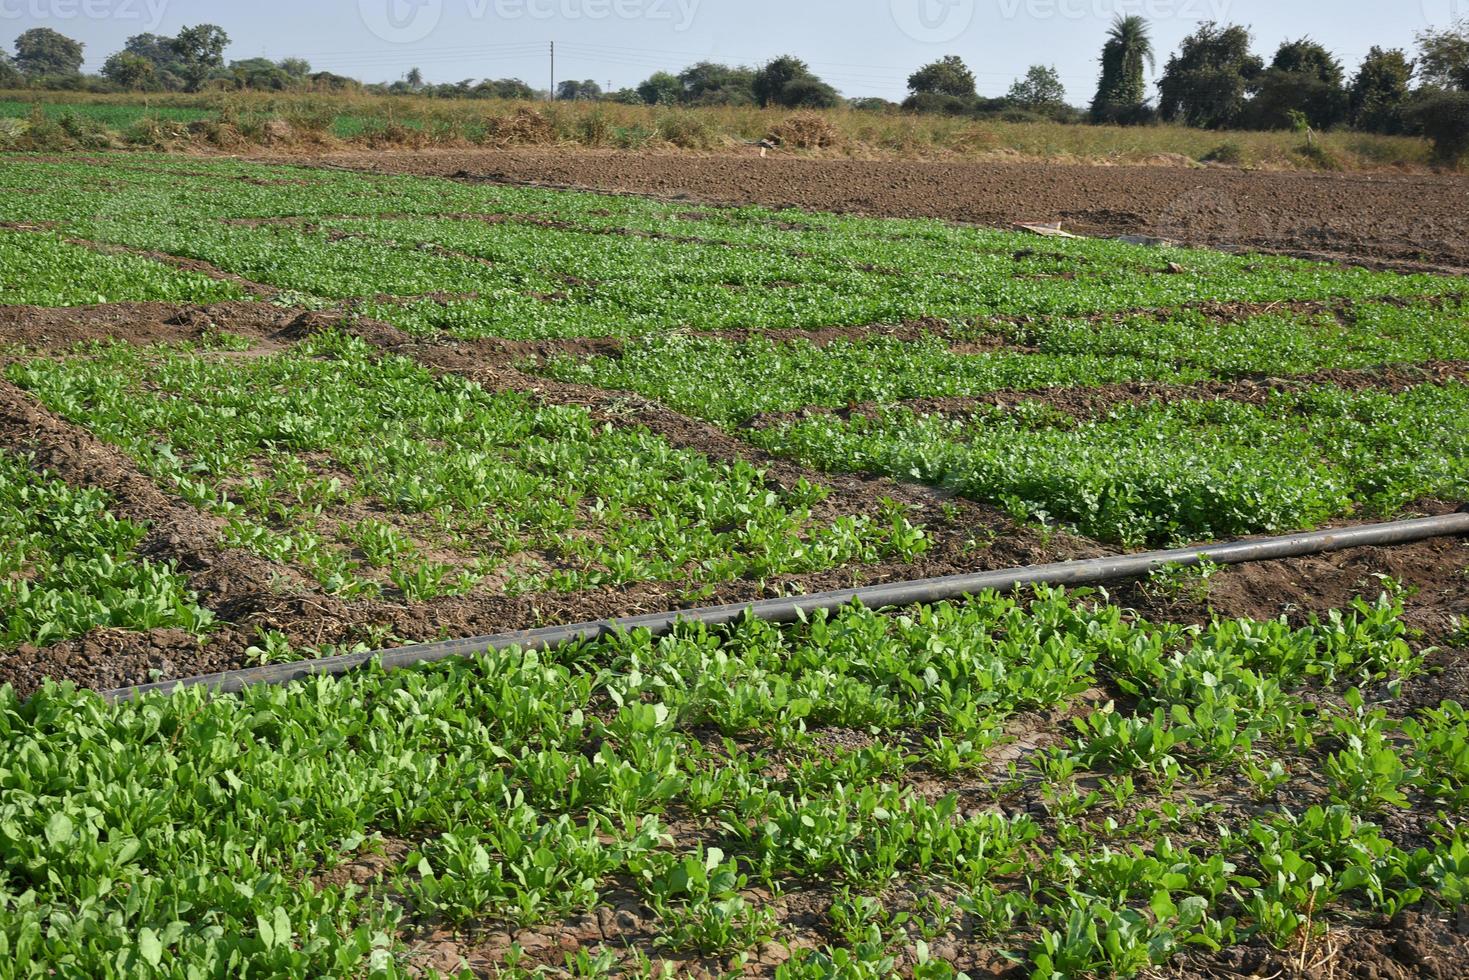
(553, 71)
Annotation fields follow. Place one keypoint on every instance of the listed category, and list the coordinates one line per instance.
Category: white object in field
(1148, 240)
(1050, 231)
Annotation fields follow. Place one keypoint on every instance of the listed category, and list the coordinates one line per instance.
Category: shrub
(633, 137)
(806, 131)
(687, 130)
(523, 127)
(809, 93)
(1318, 155)
(312, 121)
(933, 103)
(1443, 117)
(151, 132)
(44, 133)
(594, 129)
(1230, 153)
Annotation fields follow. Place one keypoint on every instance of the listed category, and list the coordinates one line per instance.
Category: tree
(1306, 57)
(1206, 82)
(325, 81)
(260, 75)
(770, 81)
(661, 88)
(1380, 91)
(1039, 90)
(41, 51)
(154, 47)
(1303, 80)
(948, 76)
(10, 76)
(1443, 116)
(1122, 92)
(808, 92)
(159, 52)
(198, 51)
(787, 81)
(573, 91)
(1443, 60)
(710, 83)
(130, 71)
(414, 78)
(297, 68)
(503, 88)
(933, 104)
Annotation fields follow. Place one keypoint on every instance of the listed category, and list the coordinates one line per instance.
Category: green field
(472, 401)
(114, 115)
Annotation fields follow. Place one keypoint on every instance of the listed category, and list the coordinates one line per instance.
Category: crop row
(39, 269)
(730, 382)
(1358, 335)
(542, 264)
(1170, 473)
(529, 784)
(367, 472)
(69, 566)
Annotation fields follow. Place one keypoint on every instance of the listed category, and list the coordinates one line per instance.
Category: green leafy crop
(459, 486)
(189, 834)
(1186, 471)
(69, 566)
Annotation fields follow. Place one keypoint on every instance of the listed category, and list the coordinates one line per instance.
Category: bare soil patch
(1434, 572)
(58, 328)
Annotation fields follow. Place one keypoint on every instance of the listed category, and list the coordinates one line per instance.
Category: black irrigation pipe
(896, 594)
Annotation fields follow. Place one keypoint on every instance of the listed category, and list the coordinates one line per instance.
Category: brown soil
(1410, 221)
(58, 328)
(1416, 944)
(1434, 572)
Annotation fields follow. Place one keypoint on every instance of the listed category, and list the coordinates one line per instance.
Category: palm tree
(1122, 89)
(1130, 34)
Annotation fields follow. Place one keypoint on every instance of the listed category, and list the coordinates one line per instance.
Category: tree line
(1213, 81)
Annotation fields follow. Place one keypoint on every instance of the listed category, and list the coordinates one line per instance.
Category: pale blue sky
(864, 47)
